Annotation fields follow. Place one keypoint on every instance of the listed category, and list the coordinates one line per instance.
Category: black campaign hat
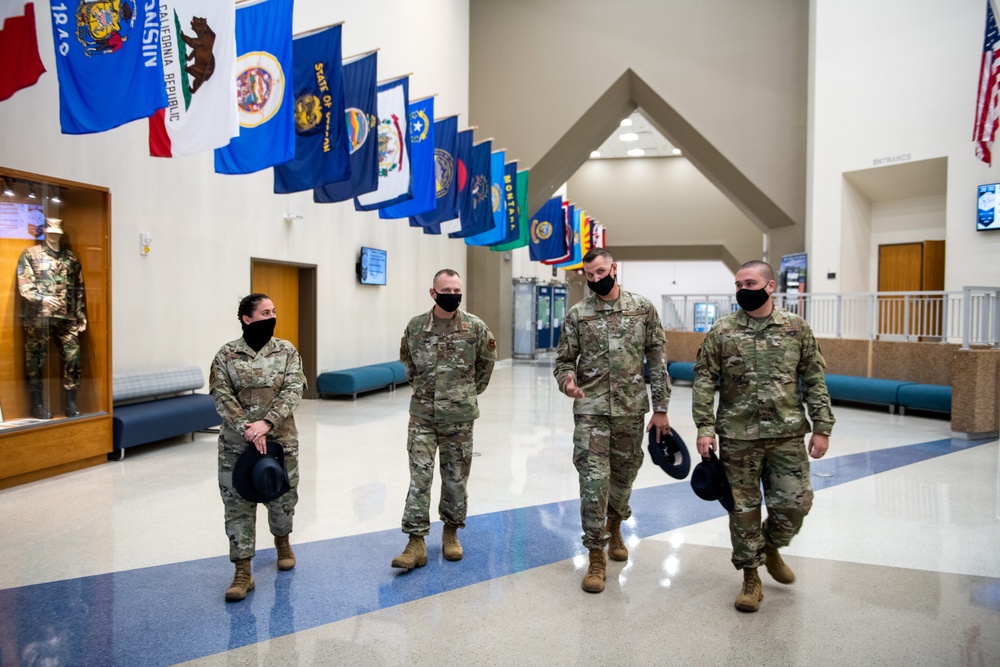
(709, 481)
(670, 453)
(260, 478)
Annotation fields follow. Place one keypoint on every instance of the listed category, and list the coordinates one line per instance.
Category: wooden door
(281, 283)
(911, 267)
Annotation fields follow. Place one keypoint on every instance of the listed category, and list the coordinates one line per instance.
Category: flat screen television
(989, 216)
(371, 266)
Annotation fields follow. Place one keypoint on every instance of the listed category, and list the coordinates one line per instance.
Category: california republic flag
(20, 65)
(198, 40)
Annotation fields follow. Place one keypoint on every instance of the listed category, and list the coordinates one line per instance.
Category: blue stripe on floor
(172, 613)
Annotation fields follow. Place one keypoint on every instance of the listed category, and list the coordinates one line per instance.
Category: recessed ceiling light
(627, 122)
(595, 153)
(636, 152)
(676, 151)
(629, 136)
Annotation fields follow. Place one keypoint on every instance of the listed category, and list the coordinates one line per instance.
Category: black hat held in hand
(709, 481)
(260, 478)
(670, 453)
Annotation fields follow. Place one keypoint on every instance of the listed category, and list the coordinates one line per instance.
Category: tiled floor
(126, 563)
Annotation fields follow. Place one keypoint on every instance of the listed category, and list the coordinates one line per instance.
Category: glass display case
(55, 360)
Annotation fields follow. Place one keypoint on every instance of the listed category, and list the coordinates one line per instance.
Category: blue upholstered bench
(933, 397)
(156, 405)
(681, 370)
(865, 390)
(353, 381)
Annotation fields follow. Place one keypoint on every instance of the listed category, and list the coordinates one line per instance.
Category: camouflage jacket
(602, 345)
(43, 272)
(759, 366)
(249, 386)
(447, 372)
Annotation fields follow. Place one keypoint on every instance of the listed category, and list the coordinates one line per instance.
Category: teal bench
(681, 370)
(932, 397)
(354, 381)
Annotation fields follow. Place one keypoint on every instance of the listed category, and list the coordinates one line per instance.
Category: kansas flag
(109, 63)
(321, 149)
(445, 136)
(263, 89)
(394, 186)
(548, 231)
(421, 162)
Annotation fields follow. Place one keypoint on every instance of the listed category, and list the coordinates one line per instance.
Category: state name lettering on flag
(393, 135)
(548, 231)
(445, 137)
(263, 89)
(20, 63)
(985, 127)
(198, 45)
(523, 225)
(421, 163)
(108, 62)
(322, 153)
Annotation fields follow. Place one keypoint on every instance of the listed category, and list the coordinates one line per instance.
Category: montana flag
(568, 230)
(20, 64)
(445, 137)
(510, 203)
(198, 44)
(393, 135)
(109, 63)
(498, 227)
(479, 217)
(361, 118)
(548, 231)
(421, 163)
(523, 226)
(264, 93)
(321, 150)
(985, 127)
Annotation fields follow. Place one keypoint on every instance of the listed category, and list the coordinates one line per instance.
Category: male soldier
(599, 363)
(449, 356)
(50, 280)
(759, 354)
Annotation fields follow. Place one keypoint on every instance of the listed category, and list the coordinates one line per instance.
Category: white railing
(969, 317)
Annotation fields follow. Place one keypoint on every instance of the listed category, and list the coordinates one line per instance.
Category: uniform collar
(453, 323)
(616, 305)
(777, 317)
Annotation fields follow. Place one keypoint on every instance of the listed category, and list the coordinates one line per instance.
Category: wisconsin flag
(445, 136)
(523, 227)
(198, 45)
(20, 64)
(394, 185)
(263, 89)
(548, 231)
(421, 162)
(361, 120)
(498, 229)
(109, 63)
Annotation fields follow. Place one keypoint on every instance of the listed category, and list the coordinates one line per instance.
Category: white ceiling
(650, 140)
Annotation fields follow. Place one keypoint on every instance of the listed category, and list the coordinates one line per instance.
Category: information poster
(21, 221)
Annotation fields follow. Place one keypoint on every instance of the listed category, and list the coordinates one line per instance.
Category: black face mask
(448, 302)
(603, 286)
(752, 299)
(256, 334)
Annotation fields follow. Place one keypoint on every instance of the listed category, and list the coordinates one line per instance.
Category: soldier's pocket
(733, 364)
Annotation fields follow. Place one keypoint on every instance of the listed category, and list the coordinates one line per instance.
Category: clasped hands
(256, 433)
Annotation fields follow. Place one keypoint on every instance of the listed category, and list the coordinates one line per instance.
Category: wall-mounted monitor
(371, 266)
(989, 216)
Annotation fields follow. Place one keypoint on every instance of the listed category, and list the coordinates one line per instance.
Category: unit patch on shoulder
(492, 344)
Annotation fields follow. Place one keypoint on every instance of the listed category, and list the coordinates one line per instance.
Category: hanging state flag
(361, 119)
(498, 225)
(198, 45)
(463, 166)
(510, 203)
(568, 231)
(322, 154)
(264, 93)
(421, 163)
(108, 62)
(523, 225)
(584, 246)
(985, 127)
(576, 243)
(394, 186)
(548, 231)
(479, 217)
(445, 184)
(20, 63)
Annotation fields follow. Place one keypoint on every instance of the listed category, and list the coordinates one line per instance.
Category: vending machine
(525, 320)
(543, 305)
(559, 296)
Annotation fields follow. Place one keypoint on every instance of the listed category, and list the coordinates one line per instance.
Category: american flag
(989, 87)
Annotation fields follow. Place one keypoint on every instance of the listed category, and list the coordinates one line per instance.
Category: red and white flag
(20, 64)
(198, 43)
(989, 86)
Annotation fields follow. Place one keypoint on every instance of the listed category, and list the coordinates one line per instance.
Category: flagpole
(483, 141)
(425, 97)
(393, 78)
(314, 30)
(359, 55)
(454, 115)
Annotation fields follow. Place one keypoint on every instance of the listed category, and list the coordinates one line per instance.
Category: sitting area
(354, 381)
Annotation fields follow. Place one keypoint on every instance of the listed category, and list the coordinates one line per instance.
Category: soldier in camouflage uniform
(449, 356)
(257, 383)
(599, 363)
(54, 304)
(759, 354)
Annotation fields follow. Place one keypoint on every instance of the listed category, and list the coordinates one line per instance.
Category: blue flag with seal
(576, 242)
(498, 227)
(108, 62)
(361, 117)
(421, 163)
(548, 231)
(463, 163)
(479, 192)
(568, 208)
(321, 149)
(445, 137)
(263, 89)
(393, 134)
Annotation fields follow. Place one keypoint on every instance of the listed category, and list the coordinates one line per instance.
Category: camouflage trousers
(781, 465)
(454, 441)
(607, 453)
(36, 349)
(241, 514)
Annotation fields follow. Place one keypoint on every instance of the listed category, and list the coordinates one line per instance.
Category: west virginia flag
(421, 163)
(264, 92)
(548, 231)
(394, 186)
(523, 226)
(322, 154)
(20, 64)
(108, 61)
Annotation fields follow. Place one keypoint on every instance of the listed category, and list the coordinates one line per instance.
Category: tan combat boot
(286, 557)
(616, 545)
(414, 555)
(752, 593)
(242, 581)
(593, 581)
(450, 545)
(776, 567)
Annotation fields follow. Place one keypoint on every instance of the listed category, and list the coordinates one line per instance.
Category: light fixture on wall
(289, 216)
(8, 189)
(55, 198)
(31, 192)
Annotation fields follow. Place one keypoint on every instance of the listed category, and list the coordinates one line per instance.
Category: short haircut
(248, 304)
(445, 272)
(594, 253)
(763, 268)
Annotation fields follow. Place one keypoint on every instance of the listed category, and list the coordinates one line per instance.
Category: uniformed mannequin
(54, 305)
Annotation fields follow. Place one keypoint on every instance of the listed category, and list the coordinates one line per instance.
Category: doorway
(911, 267)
